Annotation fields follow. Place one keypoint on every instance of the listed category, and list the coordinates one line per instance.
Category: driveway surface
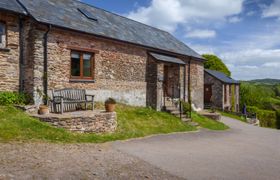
(243, 152)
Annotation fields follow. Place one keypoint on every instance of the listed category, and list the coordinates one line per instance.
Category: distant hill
(265, 81)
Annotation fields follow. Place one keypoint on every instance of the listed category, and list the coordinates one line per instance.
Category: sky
(245, 34)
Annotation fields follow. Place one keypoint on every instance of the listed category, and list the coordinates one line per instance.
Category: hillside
(265, 81)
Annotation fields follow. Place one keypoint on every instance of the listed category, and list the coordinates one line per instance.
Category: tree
(215, 63)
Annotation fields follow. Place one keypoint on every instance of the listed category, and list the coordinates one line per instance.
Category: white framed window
(2, 35)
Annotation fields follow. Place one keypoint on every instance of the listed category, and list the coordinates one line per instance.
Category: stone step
(182, 116)
(175, 112)
(171, 108)
(193, 123)
(186, 120)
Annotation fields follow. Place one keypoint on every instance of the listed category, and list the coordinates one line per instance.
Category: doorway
(207, 93)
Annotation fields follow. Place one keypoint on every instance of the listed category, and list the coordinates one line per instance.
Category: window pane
(75, 64)
(2, 29)
(2, 34)
(87, 65)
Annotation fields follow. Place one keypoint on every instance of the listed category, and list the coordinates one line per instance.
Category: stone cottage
(50, 44)
(221, 91)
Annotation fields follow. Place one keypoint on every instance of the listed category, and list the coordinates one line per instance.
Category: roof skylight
(87, 14)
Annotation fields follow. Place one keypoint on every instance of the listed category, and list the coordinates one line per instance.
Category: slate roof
(222, 77)
(168, 59)
(12, 5)
(65, 13)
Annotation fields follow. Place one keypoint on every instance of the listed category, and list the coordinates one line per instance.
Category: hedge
(267, 118)
(11, 98)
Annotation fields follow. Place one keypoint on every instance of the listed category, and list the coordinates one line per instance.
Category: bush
(110, 101)
(10, 98)
(186, 107)
(278, 119)
(267, 118)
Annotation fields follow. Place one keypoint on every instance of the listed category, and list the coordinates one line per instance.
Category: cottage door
(207, 93)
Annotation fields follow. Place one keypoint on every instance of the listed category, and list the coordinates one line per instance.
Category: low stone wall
(215, 116)
(83, 121)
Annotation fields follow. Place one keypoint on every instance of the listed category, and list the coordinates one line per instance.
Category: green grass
(208, 123)
(132, 122)
(233, 116)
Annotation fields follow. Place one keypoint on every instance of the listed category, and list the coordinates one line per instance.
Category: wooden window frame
(92, 66)
(6, 36)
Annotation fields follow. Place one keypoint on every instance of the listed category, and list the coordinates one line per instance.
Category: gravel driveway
(243, 152)
(77, 161)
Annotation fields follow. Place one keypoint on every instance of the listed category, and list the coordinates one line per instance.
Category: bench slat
(73, 99)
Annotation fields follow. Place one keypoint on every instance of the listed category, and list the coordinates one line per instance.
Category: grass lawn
(208, 123)
(233, 116)
(133, 122)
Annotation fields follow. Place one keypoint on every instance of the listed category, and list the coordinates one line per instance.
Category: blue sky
(244, 33)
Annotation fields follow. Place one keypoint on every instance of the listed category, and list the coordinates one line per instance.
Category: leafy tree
(277, 90)
(215, 63)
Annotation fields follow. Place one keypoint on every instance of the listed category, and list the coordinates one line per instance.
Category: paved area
(243, 152)
(25, 161)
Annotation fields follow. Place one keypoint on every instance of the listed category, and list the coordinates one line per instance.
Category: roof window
(87, 14)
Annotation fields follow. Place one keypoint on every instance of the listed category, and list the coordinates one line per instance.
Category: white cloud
(169, 14)
(250, 13)
(234, 19)
(252, 56)
(201, 34)
(254, 63)
(273, 10)
(202, 49)
(272, 64)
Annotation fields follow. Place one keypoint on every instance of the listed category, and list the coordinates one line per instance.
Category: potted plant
(43, 109)
(110, 105)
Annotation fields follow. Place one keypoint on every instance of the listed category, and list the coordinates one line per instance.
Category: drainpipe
(21, 55)
(45, 75)
(189, 86)
(184, 79)
(180, 102)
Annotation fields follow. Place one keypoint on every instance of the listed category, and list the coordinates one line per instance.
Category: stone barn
(221, 91)
(50, 44)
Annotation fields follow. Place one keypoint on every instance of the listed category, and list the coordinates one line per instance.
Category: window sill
(81, 81)
(5, 49)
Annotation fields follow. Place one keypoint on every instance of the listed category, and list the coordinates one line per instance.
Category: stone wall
(197, 84)
(217, 90)
(220, 90)
(237, 97)
(88, 122)
(120, 69)
(152, 85)
(9, 56)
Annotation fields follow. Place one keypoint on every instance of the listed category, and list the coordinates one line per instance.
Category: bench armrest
(57, 98)
(90, 95)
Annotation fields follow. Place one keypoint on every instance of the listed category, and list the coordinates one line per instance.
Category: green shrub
(10, 98)
(186, 107)
(278, 119)
(110, 101)
(267, 118)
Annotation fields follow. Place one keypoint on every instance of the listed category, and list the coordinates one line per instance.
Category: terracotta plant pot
(110, 107)
(44, 110)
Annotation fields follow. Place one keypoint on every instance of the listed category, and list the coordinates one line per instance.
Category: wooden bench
(70, 100)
